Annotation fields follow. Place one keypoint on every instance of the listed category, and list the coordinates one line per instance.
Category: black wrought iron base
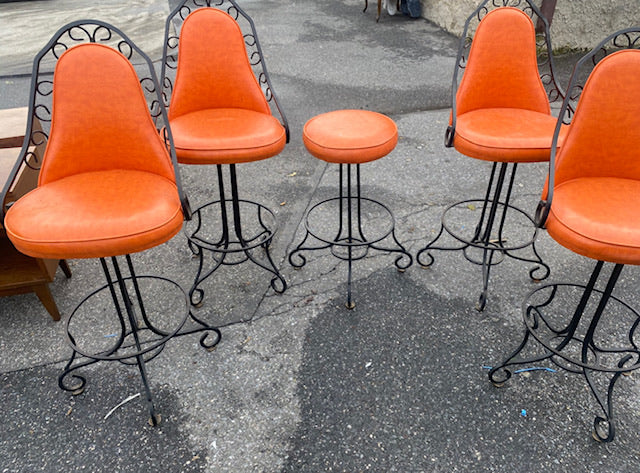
(353, 238)
(245, 228)
(487, 245)
(132, 334)
(604, 343)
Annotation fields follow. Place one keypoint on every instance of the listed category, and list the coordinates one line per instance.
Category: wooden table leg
(46, 298)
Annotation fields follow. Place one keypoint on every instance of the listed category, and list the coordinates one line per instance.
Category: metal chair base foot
(231, 231)
(354, 236)
(128, 329)
(488, 244)
(578, 342)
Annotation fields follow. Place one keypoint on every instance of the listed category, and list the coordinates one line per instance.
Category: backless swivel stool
(108, 187)
(349, 138)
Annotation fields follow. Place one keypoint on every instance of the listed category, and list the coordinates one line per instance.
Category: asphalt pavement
(298, 382)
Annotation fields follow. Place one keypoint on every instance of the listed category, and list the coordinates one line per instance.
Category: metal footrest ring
(606, 342)
(245, 227)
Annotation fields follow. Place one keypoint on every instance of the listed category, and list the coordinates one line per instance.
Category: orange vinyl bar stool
(501, 114)
(108, 187)
(220, 112)
(590, 206)
(350, 138)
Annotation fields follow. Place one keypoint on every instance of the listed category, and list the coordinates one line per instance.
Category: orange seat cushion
(506, 135)
(598, 217)
(226, 136)
(350, 136)
(95, 214)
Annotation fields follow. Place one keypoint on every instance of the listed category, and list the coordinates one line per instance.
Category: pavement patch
(44, 429)
(398, 385)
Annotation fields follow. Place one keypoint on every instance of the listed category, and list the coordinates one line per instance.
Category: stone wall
(576, 24)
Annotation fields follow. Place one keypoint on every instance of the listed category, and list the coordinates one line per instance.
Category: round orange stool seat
(350, 136)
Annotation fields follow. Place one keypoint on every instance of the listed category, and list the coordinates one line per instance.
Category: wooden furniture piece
(21, 274)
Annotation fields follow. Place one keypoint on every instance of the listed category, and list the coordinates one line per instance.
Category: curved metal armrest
(542, 212)
(168, 141)
(286, 129)
(283, 118)
(448, 136)
(186, 207)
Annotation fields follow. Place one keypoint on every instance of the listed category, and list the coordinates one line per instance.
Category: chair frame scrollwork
(545, 59)
(128, 346)
(254, 50)
(41, 89)
(488, 237)
(234, 246)
(628, 38)
(574, 339)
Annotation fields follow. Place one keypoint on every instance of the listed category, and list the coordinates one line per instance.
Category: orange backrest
(100, 120)
(502, 67)
(213, 67)
(604, 138)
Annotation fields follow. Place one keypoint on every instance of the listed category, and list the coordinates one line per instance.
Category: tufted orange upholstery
(502, 108)
(107, 184)
(350, 136)
(218, 112)
(596, 197)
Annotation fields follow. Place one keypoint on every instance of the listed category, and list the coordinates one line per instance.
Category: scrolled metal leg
(540, 264)
(138, 339)
(604, 427)
(425, 251)
(233, 246)
(488, 236)
(500, 374)
(134, 326)
(297, 252)
(204, 343)
(404, 259)
(77, 387)
(574, 346)
(404, 256)
(351, 242)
